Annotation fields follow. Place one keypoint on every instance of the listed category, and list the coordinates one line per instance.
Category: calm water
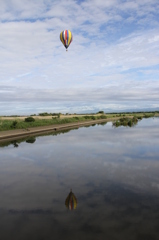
(113, 173)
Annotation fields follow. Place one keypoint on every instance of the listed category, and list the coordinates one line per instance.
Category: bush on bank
(30, 119)
(126, 122)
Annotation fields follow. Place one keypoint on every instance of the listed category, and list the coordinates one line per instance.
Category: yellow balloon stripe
(61, 38)
(74, 201)
(70, 37)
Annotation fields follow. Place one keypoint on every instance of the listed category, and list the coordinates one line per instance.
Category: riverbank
(19, 133)
(64, 124)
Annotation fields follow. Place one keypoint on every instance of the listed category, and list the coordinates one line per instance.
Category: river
(96, 182)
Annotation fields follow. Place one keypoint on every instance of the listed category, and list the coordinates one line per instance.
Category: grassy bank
(32, 139)
(18, 123)
(22, 124)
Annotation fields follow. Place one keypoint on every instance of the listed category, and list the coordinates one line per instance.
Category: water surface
(113, 172)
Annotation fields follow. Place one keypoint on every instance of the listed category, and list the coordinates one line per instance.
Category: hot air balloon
(71, 201)
(66, 38)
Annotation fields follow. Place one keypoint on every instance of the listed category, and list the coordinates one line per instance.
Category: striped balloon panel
(71, 201)
(66, 38)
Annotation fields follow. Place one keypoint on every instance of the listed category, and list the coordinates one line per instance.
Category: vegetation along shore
(16, 126)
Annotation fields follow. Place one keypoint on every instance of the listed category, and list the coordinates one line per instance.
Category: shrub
(135, 119)
(103, 116)
(87, 117)
(14, 124)
(93, 117)
(29, 119)
(139, 117)
(77, 118)
(126, 122)
(117, 124)
(148, 115)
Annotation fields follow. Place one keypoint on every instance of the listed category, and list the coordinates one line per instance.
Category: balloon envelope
(71, 201)
(66, 38)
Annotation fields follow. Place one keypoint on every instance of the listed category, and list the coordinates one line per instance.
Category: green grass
(21, 124)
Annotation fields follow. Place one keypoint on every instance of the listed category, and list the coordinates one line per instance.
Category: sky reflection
(113, 173)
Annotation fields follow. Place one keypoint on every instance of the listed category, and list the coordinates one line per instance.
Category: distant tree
(45, 114)
(102, 112)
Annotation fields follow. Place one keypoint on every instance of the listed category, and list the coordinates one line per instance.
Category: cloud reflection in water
(114, 173)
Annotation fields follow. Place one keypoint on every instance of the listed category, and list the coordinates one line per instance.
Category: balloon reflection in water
(71, 201)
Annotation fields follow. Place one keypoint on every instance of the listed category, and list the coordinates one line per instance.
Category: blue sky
(111, 65)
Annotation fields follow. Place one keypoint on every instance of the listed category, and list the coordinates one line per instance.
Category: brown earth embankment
(19, 133)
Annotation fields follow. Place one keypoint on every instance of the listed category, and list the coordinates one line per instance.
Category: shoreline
(19, 133)
(9, 135)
